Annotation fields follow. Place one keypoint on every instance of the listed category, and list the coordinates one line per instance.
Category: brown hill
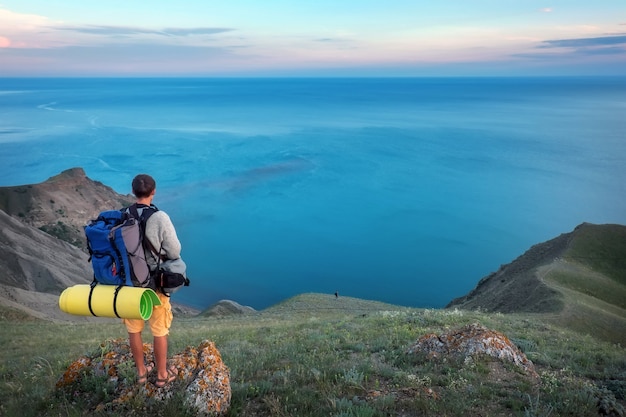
(577, 279)
(35, 268)
(61, 205)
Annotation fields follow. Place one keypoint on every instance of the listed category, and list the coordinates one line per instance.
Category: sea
(401, 190)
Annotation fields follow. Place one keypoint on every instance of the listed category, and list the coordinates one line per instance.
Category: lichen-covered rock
(471, 340)
(203, 379)
(201, 393)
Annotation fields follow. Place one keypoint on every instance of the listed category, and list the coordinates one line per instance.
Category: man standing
(160, 232)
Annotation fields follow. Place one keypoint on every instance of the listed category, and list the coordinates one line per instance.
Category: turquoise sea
(407, 190)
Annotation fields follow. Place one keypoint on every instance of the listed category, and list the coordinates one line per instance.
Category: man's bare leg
(136, 348)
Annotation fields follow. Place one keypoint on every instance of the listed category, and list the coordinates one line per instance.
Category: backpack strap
(92, 285)
(117, 291)
(146, 212)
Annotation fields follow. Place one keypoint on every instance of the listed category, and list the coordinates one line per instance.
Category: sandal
(142, 379)
(172, 374)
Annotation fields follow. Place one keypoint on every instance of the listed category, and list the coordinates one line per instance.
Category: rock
(225, 308)
(203, 379)
(472, 340)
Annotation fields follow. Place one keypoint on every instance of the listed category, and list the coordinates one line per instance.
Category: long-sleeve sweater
(161, 233)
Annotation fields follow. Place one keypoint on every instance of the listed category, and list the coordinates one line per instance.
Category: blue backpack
(115, 241)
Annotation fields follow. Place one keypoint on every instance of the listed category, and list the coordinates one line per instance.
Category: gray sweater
(161, 233)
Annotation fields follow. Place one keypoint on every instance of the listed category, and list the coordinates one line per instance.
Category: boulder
(473, 340)
(203, 379)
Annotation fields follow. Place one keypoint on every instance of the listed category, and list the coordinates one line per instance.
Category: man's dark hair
(143, 185)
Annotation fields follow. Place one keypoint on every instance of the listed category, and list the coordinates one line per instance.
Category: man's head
(143, 186)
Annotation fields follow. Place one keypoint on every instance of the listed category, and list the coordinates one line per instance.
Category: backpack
(115, 241)
(170, 276)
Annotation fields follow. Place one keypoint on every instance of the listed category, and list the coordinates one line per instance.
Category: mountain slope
(36, 223)
(61, 205)
(36, 267)
(577, 280)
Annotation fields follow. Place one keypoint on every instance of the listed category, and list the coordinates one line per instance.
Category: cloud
(546, 10)
(577, 53)
(612, 50)
(136, 52)
(105, 30)
(339, 42)
(130, 30)
(605, 48)
(10, 19)
(112, 58)
(194, 31)
(585, 42)
(32, 31)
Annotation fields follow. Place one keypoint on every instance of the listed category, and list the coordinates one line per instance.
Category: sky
(278, 38)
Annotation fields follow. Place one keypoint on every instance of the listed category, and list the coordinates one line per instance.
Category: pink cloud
(4, 42)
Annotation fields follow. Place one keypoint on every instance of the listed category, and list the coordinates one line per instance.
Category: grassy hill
(576, 280)
(591, 278)
(316, 355)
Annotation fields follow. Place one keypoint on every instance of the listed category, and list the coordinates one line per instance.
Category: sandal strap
(171, 377)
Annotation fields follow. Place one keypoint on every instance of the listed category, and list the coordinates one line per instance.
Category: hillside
(35, 267)
(326, 304)
(61, 205)
(37, 221)
(224, 308)
(577, 280)
(315, 355)
(37, 224)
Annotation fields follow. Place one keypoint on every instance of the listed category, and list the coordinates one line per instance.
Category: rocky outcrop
(225, 308)
(473, 340)
(203, 379)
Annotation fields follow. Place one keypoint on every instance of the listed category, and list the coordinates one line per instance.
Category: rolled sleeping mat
(109, 301)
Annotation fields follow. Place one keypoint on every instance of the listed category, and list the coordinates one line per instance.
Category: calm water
(401, 190)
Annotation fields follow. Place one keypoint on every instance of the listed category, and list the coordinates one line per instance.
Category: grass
(601, 247)
(593, 303)
(593, 285)
(316, 355)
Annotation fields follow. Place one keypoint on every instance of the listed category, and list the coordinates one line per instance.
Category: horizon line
(143, 76)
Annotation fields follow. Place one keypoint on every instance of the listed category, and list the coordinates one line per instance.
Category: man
(160, 231)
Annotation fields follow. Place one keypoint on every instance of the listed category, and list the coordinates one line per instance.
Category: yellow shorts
(159, 322)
